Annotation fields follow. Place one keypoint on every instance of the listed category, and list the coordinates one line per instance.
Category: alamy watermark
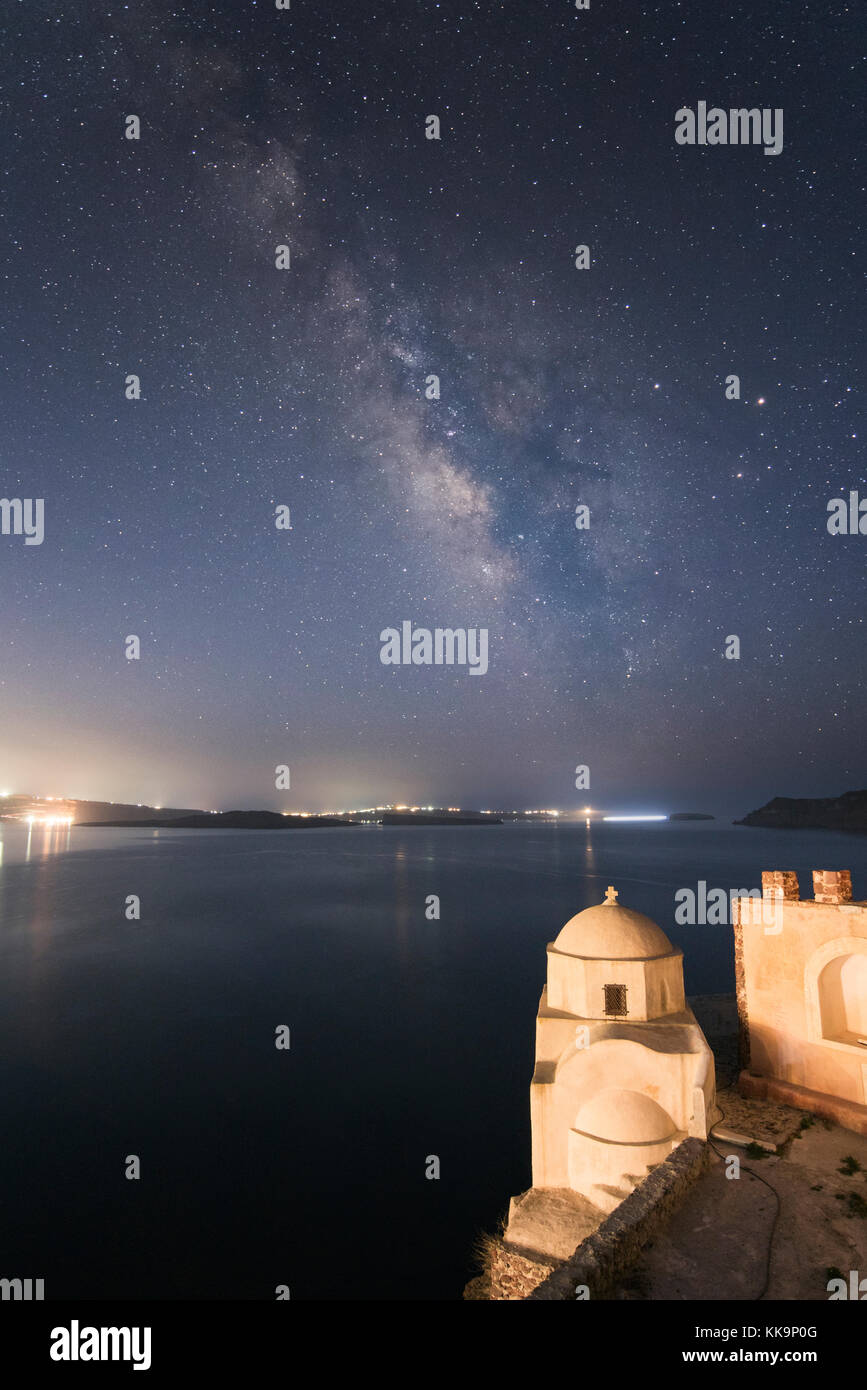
(23, 516)
(714, 907)
(444, 646)
(22, 1290)
(737, 126)
(856, 1289)
(77, 1343)
(847, 520)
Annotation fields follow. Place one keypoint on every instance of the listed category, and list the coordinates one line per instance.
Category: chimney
(832, 885)
(781, 883)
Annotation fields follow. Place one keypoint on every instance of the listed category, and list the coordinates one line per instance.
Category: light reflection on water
(44, 840)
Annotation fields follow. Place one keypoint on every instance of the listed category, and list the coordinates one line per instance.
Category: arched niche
(836, 993)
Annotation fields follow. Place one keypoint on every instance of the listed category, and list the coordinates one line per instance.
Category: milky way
(306, 388)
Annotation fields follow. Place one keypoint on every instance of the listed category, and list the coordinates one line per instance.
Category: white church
(623, 1071)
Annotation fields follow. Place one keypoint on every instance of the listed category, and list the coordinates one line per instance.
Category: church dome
(611, 932)
(624, 1117)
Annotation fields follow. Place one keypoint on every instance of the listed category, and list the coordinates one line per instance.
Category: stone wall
(800, 993)
(741, 994)
(781, 885)
(512, 1276)
(605, 1257)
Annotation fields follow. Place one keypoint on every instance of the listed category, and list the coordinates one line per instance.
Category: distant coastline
(426, 818)
(275, 820)
(222, 820)
(847, 812)
(54, 811)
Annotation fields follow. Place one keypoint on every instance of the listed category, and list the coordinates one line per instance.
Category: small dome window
(615, 1001)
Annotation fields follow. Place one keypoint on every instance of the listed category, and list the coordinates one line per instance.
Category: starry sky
(306, 388)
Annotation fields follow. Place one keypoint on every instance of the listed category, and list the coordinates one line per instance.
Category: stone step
(621, 1193)
(727, 1135)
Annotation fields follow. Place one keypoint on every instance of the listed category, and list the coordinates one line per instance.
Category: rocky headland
(846, 812)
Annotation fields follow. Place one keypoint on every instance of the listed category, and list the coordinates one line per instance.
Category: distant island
(439, 818)
(846, 812)
(691, 815)
(225, 820)
(275, 820)
(57, 811)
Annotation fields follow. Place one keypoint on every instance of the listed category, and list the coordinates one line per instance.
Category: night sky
(306, 388)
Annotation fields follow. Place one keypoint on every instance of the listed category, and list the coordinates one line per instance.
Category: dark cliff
(846, 812)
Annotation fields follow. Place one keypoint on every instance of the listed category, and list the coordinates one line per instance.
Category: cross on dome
(611, 896)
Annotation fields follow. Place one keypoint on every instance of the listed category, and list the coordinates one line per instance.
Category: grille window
(615, 1000)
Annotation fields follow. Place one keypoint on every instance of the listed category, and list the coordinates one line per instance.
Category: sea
(366, 1159)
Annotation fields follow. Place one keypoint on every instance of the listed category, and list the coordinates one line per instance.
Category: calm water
(408, 1038)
